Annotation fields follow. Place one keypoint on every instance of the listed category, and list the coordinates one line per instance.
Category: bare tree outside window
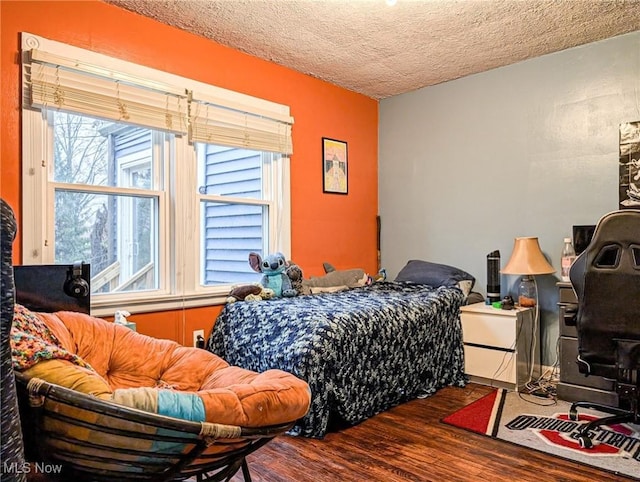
(80, 158)
(116, 232)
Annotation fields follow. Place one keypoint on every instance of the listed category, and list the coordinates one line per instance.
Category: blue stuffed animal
(273, 267)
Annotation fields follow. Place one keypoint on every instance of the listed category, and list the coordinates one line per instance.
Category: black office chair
(606, 280)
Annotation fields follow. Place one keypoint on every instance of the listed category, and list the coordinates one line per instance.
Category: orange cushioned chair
(108, 403)
(111, 404)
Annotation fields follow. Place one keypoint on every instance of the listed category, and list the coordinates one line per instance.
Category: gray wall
(524, 150)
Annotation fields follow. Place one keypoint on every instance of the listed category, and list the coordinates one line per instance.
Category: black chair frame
(606, 280)
(58, 419)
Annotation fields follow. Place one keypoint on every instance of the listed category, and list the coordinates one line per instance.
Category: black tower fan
(493, 276)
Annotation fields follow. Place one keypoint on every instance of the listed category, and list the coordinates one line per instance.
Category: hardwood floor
(409, 443)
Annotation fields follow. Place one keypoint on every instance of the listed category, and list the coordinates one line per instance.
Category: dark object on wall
(629, 166)
(606, 280)
(582, 235)
(47, 287)
(493, 276)
(378, 242)
(12, 450)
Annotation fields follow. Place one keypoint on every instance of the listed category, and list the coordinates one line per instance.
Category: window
(165, 194)
(107, 199)
(234, 214)
(238, 209)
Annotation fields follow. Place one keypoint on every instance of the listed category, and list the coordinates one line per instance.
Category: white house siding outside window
(163, 184)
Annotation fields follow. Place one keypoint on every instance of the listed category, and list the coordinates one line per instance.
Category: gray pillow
(434, 274)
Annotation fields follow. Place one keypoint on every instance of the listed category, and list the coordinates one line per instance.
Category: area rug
(543, 425)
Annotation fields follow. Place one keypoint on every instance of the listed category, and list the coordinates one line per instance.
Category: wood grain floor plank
(409, 443)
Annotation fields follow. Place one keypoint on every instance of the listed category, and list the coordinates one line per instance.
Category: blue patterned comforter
(362, 351)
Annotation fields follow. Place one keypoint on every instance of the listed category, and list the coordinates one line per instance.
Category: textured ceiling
(380, 50)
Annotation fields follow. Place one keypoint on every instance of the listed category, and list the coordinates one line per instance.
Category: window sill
(102, 308)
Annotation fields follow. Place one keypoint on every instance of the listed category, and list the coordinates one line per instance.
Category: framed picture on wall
(335, 177)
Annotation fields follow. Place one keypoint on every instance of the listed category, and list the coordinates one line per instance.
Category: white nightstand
(498, 345)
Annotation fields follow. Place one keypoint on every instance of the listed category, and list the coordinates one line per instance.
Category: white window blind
(206, 114)
(218, 121)
(68, 85)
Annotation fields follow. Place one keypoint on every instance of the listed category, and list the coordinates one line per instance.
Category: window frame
(179, 251)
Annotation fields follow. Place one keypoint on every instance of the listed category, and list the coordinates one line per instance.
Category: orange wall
(325, 227)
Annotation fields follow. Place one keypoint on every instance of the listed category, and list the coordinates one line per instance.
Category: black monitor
(582, 235)
(54, 287)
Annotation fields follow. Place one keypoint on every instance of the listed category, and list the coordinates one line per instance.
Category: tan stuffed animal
(249, 293)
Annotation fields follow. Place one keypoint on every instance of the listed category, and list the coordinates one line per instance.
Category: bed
(362, 351)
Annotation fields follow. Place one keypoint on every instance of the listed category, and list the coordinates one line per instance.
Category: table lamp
(527, 260)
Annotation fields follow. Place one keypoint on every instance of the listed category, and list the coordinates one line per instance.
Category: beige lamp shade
(527, 258)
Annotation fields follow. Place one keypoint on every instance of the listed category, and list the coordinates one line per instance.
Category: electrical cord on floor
(537, 400)
(541, 388)
(545, 386)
